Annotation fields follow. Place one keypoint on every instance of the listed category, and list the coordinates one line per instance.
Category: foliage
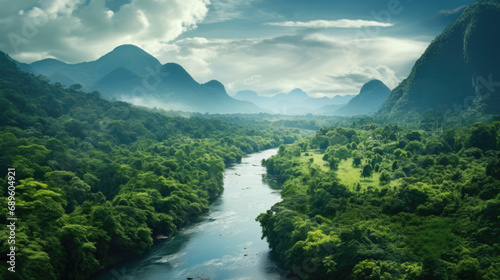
(429, 210)
(98, 180)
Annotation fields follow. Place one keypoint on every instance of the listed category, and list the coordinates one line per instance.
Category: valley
(329, 146)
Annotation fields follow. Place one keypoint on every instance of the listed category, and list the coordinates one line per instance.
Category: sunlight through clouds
(283, 63)
(60, 28)
(233, 41)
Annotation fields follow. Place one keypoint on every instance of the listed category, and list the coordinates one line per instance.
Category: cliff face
(459, 64)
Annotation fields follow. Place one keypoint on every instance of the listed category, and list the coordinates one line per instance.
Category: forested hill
(382, 202)
(459, 65)
(96, 180)
(371, 96)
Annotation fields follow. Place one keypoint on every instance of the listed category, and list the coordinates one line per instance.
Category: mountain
(88, 74)
(129, 56)
(296, 95)
(342, 99)
(371, 96)
(460, 64)
(25, 67)
(251, 96)
(130, 74)
(176, 89)
(296, 102)
(328, 109)
(117, 81)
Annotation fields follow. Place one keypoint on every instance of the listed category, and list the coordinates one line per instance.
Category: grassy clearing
(317, 159)
(348, 175)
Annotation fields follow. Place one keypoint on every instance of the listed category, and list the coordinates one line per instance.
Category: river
(221, 244)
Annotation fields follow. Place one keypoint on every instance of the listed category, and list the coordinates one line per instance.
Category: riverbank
(221, 244)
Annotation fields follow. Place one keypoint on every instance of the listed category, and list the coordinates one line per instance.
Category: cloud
(224, 10)
(341, 23)
(452, 11)
(81, 30)
(320, 64)
(198, 58)
(444, 17)
(359, 76)
(350, 78)
(252, 80)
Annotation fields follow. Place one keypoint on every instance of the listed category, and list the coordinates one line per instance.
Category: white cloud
(252, 80)
(59, 7)
(313, 61)
(452, 11)
(357, 77)
(224, 10)
(81, 30)
(199, 59)
(317, 60)
(341, 23)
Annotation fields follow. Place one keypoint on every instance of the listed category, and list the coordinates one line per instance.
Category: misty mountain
(88, 74)
(296, 102)
(369, 100)
(460, 64)
(130, 74)
(25, 67)
(117, 81)
(328, 109)
(296, 95)
(342, 99)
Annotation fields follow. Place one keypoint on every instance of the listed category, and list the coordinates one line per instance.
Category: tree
(367, 270)
(414, 147)
(426, 161)
(413, 136)
(342, 153)
(399, 153)
(333, 163)
(385, 177)
(75, 87)
(79, 249)
(357, 160)
(482, 136)
(395, 165)
(367, 171)
(376, 160)
(493, 168)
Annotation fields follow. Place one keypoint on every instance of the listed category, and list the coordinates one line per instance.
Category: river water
(221, 244)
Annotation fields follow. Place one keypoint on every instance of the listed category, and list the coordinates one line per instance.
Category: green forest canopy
(382, 202)
(97, 180)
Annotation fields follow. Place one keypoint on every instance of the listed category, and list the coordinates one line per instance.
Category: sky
(324, 47)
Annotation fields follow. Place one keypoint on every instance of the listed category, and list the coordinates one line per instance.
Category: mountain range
(128, 73)
(458, 66)
(296, 102)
